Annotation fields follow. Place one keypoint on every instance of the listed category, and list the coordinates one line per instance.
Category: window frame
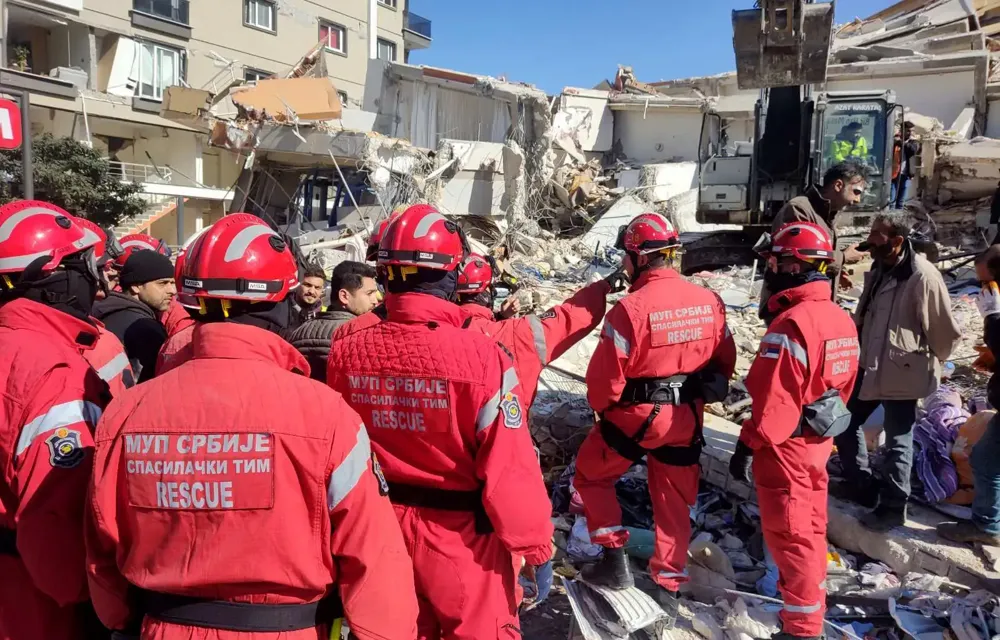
(343, 36)
(343, 97)
(253, 25)
(389, 4)
(260, 73)
(393, 48)
(178, 69)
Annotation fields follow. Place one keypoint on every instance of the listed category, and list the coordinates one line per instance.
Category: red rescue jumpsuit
(176, 350)
(666, 326)
(444, 413)
(176, 318)
(52, 400)
(109, 360)
(258, 488)
(810, 348)
(535, 341)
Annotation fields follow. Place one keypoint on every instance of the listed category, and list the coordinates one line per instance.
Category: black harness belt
(410, 495)
(240, 616)
(8, 542)
(675, 390)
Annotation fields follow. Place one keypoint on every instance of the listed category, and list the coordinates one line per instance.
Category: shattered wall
(658, 135)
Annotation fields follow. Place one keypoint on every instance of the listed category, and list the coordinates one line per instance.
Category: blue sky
(557, 43)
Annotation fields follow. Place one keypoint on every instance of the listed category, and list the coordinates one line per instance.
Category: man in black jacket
(985, 458)
(148, 288)
(353, 292)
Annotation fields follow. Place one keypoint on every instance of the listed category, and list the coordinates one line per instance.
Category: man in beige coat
(843, 186)
(907, 330)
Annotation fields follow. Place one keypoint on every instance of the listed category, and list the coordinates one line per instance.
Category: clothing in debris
(666, 326)
(934, 435)
(535, 341)
(312, 339)
(274, 465)
(138, 328)
(446, 417)
(52, 401)
(811, 348)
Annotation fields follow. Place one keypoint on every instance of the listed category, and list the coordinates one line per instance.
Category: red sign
(10, 125)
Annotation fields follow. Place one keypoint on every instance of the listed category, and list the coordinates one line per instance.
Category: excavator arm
(782, 43)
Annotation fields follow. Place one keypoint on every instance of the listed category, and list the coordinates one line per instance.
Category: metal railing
(418, 24)
(175, 10)
(132, 172)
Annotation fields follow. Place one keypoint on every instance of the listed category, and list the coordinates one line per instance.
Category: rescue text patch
(401, 403)
(200, 471)
(840, 357)
(682, 324)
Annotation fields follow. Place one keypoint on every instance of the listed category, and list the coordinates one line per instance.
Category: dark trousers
(899, 418)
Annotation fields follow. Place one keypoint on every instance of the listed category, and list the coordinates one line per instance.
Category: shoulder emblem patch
(513, 417)
(383, 486)
(548, 314)
(65, 448)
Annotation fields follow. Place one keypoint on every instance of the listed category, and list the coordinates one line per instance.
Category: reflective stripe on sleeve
(621, 342)
(347, 474)
(784, 342)
(60, 415)
(111, 370)
(538, 333)
(668, 574)
(792, 608)
(489, 412)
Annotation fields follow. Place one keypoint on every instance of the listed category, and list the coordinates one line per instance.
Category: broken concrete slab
(285, 99)
(605, 230)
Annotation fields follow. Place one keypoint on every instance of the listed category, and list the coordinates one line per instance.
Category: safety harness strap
(630, 449)
(8, 542)
(445, 499)
(240, 616)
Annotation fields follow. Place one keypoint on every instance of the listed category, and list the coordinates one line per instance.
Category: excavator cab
(782, 43)
(858, 126)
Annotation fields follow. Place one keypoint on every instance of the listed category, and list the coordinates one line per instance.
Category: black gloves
(739, 464)
(617, 280)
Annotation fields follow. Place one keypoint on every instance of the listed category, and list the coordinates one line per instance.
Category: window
(175, 10)
(334, 35)
(159, 68)
(386, 50)
(259, 14)
(388, 3)
(254, 75)
(343, 98)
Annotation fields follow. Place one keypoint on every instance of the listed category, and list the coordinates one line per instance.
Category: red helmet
(803, 240)
(422, 237)
(186, 299)
(239, 258)
(376, 237)
(649, 233)
(32, 229)
(136, 241)
(476, 275)
(93, 227)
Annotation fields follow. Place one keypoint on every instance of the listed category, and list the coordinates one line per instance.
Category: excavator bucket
(783, 43)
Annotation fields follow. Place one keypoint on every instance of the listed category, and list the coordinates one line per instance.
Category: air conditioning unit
(76, 77)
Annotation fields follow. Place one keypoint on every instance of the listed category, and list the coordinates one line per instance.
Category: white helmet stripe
(7, 228)
(89, 239)
(20, 263)
(141, 244)
(241, 242)
(424, 226)
(659, 221)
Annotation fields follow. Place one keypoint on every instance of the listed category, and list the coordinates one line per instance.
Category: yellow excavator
(800, 130)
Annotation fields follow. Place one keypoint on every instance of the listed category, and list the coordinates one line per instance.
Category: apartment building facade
(97, 70)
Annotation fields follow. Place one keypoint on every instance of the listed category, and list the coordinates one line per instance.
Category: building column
(180, 220)
(372, 29)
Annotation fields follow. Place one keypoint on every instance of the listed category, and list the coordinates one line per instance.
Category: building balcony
(172, 17)
(41, 50)
(417, 31)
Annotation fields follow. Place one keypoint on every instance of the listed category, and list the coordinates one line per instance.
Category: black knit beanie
(145, 266)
